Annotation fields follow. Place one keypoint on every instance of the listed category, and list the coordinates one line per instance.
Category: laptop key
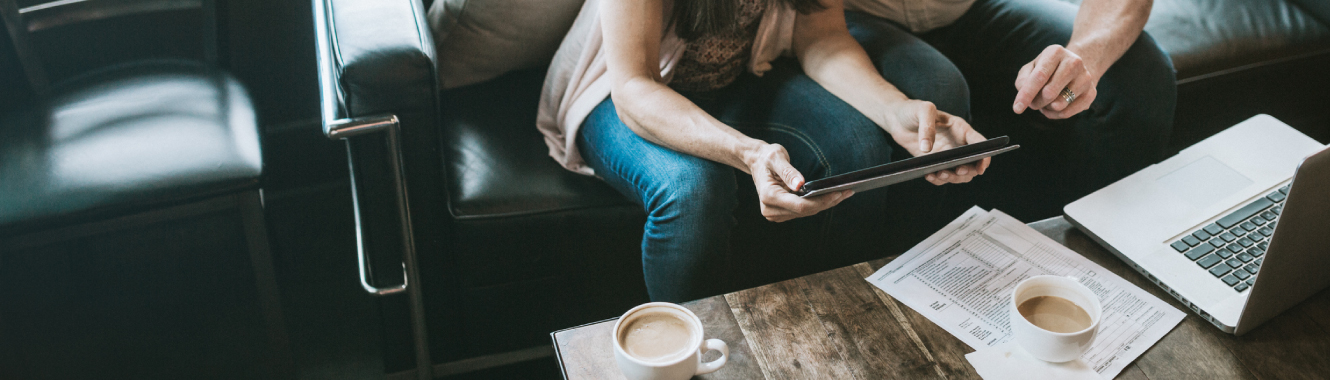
(1285, 188)
(1191, 240)
(1246, 242)
(1201, 234)
(1214, 229)
(1259, 261)
(1276, 196)
(1256, 252)
(1217, 242)
(1238, 231)
(1210, 261)
(1235, 248)
(1179, 245)
(1252, 268)
(1268, 215)
(1241, 274)
(1231, 280)
(1225, 252)
(1241, 287)
(1255, 237)
(1196, 253)
(1248, 226)
(1264, 245)
(1251, 282)
(1220, 270)
(1245, 257)
(1277, 210)
(1258, 220)
(1227, 236)
(1235, 263)
(1245, 212)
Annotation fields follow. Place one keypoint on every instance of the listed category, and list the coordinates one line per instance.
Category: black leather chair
(132, 230)
(510, 246)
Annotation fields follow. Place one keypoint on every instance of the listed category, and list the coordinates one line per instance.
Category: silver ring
(1068, 95)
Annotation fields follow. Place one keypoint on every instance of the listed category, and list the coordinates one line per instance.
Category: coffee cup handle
(713, 345)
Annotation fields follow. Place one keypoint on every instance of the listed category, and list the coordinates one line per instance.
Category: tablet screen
(906, 164)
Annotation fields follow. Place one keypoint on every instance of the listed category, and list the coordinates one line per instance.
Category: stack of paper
(962, 277)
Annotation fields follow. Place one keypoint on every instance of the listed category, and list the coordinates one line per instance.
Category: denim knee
(701, 196)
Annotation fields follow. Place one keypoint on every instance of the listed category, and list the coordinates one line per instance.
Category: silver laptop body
(1260, 176)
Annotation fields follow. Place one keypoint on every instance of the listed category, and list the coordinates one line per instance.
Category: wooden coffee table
(835, 325)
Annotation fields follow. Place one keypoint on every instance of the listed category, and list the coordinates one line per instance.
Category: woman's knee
(696, 189)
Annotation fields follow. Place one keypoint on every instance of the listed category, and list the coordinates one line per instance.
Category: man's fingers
(1084, 96)
(1044, 67)
(1070, 68)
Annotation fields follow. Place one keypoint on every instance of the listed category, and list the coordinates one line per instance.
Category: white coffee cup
(1048, 345)
(681, 365)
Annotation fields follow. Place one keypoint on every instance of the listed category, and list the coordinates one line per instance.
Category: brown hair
(696, 18)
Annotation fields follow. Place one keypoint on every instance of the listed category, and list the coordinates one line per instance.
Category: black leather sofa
(510, 246)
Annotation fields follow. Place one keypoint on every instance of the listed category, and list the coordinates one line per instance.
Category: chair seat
(124, 138)
(498, 164)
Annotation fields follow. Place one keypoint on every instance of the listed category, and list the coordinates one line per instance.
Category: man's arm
(1104, 30)
(829, 55)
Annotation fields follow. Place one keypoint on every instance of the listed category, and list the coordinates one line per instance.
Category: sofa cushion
(1206, 36)
(486, 38)
(124, 138)
(497, 162)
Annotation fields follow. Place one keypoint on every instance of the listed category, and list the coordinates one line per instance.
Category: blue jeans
(691, 202)
(969, 69)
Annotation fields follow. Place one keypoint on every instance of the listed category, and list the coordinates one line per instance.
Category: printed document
(962, 277)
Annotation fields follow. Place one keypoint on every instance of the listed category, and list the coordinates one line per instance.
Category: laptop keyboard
(1233, 248)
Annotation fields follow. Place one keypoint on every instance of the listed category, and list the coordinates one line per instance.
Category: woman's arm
(632, 31)
(829, 55)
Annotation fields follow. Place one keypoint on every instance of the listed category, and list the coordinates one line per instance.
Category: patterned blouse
(714, 61)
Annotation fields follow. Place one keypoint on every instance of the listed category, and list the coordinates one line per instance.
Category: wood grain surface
(835, 325)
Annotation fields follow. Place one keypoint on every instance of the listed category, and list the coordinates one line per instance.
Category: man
(1087, 94)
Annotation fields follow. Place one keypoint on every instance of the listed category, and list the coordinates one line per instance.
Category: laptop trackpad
(1203, 182)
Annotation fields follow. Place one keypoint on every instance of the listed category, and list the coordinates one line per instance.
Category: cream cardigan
(576, 81)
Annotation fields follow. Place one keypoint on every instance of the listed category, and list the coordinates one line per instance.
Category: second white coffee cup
(1047, 345)
(678, 364)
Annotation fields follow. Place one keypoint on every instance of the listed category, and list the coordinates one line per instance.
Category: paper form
(962, 277)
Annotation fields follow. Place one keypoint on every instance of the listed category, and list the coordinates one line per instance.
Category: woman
(653, 97)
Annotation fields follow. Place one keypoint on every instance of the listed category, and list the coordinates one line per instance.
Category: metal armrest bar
(337, 127)
(347, 128)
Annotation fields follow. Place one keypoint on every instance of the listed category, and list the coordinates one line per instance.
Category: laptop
(1234, 226)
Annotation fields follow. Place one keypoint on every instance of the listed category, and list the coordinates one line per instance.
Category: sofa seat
(498, 165)
(125, 138)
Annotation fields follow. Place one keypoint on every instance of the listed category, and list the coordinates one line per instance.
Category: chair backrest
(20, 22)
(13, 85)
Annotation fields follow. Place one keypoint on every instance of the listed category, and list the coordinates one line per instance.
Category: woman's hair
(696, 18)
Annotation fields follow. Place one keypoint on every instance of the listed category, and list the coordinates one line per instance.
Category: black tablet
(908, 169)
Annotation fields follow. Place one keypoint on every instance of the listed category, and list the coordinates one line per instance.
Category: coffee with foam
(657, 335)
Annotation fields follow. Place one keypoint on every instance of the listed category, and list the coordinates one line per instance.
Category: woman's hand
(776, 181)
(920, 128)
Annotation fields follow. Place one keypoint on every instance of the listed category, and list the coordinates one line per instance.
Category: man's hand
(776, 182)
(1041, 81)
(920, 128)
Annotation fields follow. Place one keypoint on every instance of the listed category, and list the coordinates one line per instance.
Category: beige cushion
(478, 40)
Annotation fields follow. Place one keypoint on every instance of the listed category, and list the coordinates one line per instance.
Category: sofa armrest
(381, 55)
(378, 94)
